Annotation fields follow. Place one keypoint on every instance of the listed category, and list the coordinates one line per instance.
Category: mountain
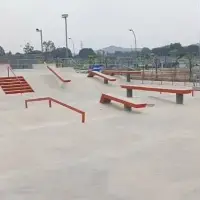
(112, 49)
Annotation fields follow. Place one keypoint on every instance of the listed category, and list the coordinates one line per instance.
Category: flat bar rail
(38, 99)
(158, 89)
(58, 102)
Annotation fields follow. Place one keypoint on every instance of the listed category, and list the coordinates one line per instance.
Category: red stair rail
(58, 76)
(50, 100)
(9, 68)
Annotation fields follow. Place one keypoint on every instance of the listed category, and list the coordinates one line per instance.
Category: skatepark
(146, 153)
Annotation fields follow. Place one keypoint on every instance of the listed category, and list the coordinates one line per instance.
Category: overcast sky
(99, 23)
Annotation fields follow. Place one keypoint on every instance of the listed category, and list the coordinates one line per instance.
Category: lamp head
(65, 15)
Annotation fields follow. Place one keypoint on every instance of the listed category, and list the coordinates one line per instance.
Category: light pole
(131, 30)
(73, 45)
(41, 37)
(65, 16)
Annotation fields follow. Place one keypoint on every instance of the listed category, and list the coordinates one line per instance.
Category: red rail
(38, 99)
(113, 72)
(158, 89)
(58, 76)
(9, 68)
(58, 102)
(94, 73)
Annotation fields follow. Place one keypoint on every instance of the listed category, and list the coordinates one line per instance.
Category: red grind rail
(94, 73)
(9, 68)
(158, 89)
(113, 72)
(58, 76)
(50, 100)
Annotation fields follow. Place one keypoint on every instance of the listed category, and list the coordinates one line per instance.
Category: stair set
(15, 85)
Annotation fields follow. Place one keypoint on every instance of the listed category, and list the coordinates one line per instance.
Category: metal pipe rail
(50, 100)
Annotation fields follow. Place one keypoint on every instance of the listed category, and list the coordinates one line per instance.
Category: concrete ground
(48, 154)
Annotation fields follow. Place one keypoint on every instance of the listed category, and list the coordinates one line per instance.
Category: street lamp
(65, 16)
(41, 37)
(72, 44)
(131, 30)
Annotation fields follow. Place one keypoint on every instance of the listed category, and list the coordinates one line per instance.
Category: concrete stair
(15, 85)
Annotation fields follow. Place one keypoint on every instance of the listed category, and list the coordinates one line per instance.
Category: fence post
(26, 104)
(185, 81)
(192, 92)
(83, 117)
(143, 77)
(8, 71)
(50, 104)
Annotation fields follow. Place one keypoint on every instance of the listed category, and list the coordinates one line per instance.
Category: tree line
(174, 50)
(50, 50)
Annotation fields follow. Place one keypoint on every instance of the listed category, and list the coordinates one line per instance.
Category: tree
(2, 52)
(28, 48)
(177, 55)
(86, 52)
(91, 60)
(145, 51)
(192, 49)
(156, 62)
(49, 46)
(36, 52)
(61, 53)
(176, 46)
(190, 56)
(166, 50)
(9, 53)
(161, 51)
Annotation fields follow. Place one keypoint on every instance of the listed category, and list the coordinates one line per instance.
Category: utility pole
(72, 44)
(41, 38)
(65, 16)
(81, 44)
(135, 41)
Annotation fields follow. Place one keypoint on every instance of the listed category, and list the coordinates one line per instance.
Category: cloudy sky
(99, 23)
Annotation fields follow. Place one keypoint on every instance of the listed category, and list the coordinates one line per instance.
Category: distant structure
(81, 44)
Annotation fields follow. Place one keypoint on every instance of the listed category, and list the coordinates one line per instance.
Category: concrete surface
(48, 154)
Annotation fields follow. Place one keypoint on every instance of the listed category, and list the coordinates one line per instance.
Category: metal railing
(58, 76)
(9, 68)
(50, 100)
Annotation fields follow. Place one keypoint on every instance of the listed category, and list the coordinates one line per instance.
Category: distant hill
(112, 49)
